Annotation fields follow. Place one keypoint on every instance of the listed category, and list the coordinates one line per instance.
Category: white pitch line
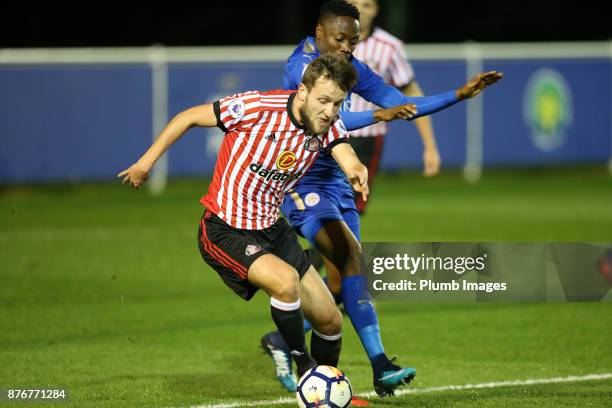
(533, 381)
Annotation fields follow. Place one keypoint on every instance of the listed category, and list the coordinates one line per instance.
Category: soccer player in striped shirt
(321, 206)
(385, 54)
(271, 140)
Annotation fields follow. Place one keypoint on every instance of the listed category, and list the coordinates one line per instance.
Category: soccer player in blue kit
(321, 206)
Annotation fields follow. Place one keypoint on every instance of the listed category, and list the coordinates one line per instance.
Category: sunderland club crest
(313, 144)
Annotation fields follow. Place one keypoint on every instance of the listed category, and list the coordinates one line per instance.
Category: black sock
(326, 349)
(290, 322)
(379, 363)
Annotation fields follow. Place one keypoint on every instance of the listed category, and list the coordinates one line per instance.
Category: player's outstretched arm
(355, 171)
(388, 96)
(138, 172)
(399, 106)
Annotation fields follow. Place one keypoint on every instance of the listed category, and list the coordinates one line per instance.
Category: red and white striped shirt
(385, 54)
(264, 153)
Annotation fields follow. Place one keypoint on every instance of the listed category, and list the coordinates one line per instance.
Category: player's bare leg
(336, 242)
(333, 278)
(318, 304)
(282, 282)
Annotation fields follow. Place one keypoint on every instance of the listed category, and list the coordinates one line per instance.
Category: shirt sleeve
(357, 120)
(240, 110)
(369, 82)
(337, 133)
(400, 71)
(389, 96)
(292, 76)
(294, 68)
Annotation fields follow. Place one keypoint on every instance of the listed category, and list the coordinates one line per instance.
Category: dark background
(286, 22)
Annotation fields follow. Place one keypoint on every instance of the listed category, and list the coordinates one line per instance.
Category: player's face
(321, 106)
(338, 35)
(368, 9)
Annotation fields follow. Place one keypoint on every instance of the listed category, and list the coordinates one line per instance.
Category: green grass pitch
(103, 292)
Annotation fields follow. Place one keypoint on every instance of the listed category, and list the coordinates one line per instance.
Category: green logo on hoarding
(547, 108)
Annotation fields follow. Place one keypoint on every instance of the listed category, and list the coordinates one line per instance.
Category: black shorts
(231, 251)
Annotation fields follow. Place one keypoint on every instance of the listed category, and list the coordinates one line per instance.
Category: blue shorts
(308, 208)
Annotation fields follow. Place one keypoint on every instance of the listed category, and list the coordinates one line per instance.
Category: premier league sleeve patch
(236, 108)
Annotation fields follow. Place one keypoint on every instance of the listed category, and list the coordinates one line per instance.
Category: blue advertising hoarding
(82, 122)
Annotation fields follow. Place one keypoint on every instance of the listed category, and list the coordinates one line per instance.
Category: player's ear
(319, 31)
(302, 92)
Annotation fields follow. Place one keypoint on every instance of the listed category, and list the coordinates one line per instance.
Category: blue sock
(358, 305)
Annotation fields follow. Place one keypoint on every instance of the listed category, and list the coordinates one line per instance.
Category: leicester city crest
(313, 144)
(547, 109)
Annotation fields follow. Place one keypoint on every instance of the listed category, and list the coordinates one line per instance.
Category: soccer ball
(324, 387)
